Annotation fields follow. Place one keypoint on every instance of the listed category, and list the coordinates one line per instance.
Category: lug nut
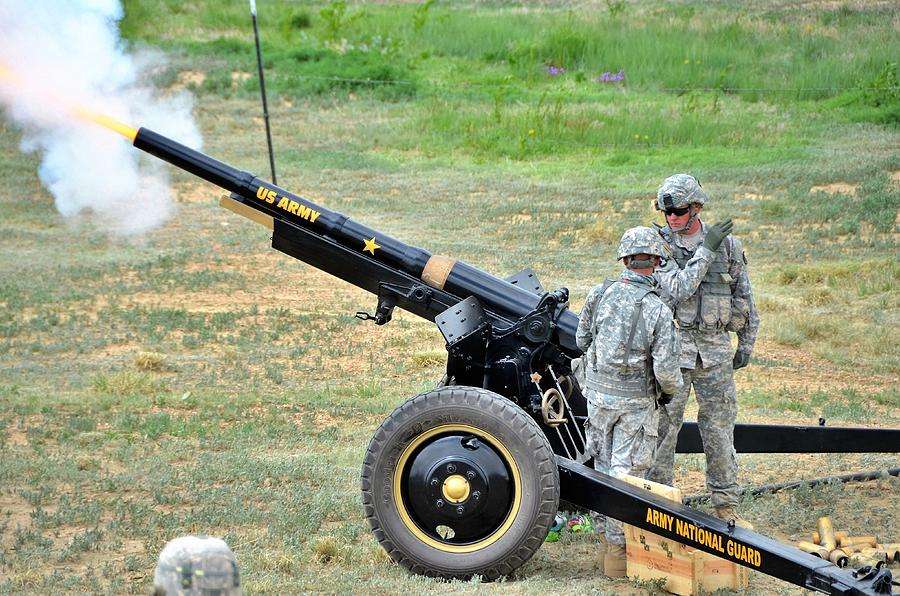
(434, 482)
(440, 503)
(470, 475)
(476, 495)
(451, 468)
(460, 510)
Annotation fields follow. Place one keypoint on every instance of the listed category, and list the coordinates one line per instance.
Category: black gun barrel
(450, 275)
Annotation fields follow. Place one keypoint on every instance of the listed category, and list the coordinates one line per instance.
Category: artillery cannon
(465, 479)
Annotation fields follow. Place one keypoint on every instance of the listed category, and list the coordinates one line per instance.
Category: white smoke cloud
(65, 53)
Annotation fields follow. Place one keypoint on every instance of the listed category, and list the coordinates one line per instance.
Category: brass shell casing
(813, 549)
(854, 547)
(837, 536)
(875, 553)
(826, 533)
(857, 560)
(870, 540)
(838, 557)
(893, 550)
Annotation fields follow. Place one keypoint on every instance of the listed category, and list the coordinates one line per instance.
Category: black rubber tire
(497, 417)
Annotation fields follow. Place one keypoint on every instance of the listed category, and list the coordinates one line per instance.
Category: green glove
(741, 359)
(716, 234)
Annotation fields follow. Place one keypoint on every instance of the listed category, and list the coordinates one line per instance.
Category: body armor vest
(606, 377)
(710, 308)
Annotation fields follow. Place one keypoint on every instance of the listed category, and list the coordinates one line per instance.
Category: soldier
(196, 566)
(723, 302)
(631, 364)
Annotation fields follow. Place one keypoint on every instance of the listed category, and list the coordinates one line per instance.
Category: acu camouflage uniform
(723, 302)
(621, 381)
(196, 566)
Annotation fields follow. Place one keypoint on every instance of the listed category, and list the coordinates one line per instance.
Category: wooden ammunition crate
(687, 570)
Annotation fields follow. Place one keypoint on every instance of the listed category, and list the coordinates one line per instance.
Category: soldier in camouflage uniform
(196, 566)
(723, 302)
(631, 361)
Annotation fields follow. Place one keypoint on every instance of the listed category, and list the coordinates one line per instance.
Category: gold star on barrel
(371, 246)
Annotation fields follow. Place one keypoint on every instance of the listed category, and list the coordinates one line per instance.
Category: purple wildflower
(608, 77)
(554, 70)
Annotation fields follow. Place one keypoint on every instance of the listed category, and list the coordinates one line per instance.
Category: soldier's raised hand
(716, 234)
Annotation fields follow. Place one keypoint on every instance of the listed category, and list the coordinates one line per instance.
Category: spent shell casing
(875, 553)
(837, 536)
(813, 549)
(826, 533)
(842, 540)
(838, 557)
(857, 560)
(854, 547)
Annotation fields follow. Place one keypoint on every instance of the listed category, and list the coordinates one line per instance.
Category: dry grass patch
(126, 383)
(835, 188)
(151, 362)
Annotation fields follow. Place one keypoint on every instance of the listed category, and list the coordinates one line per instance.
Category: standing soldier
(631, 364)
(723, 302)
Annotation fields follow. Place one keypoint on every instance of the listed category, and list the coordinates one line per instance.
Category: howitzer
(465, 479)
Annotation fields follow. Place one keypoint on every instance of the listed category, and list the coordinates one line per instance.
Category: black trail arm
(586, 487)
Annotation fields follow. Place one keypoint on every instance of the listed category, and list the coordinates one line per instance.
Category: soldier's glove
(741, 359)
(716, 234)
(663, 399)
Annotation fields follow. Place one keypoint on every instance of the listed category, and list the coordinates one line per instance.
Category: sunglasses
(678, 212)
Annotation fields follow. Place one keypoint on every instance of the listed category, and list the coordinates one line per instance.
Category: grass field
(195, 381)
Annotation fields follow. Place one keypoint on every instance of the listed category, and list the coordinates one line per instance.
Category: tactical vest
(605, 377)
(709, 308)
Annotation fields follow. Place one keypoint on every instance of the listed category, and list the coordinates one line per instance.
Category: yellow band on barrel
(436, 271)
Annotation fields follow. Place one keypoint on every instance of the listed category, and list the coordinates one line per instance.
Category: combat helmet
(196, 566)
(641, 241)
(679, 191)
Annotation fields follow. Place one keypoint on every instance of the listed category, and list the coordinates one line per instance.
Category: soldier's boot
(729, 513)
(601, 552)
(614, 563)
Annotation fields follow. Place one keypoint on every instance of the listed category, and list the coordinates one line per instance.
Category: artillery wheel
(459, 482)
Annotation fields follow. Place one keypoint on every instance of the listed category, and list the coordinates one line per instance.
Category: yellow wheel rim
(411, 525)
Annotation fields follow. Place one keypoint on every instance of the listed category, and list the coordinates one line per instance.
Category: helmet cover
(679, 191)
(195, 566)
(641, 241)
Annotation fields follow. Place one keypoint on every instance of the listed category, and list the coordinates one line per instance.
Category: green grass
(196, 381)
(679, 92)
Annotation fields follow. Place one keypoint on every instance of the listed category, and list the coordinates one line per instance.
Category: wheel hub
(459, 482)
(456, 489)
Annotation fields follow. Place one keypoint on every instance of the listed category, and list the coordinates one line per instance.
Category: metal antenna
(262, 90)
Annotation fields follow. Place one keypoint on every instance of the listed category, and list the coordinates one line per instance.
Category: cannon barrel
(500, 298)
